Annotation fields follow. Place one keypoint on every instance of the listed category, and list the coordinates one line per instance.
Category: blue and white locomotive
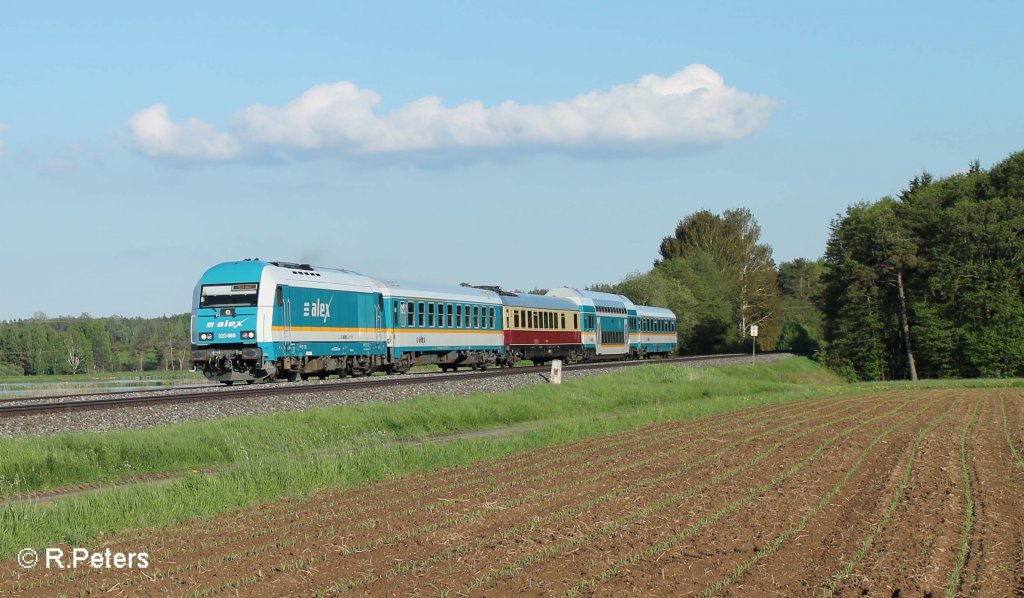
(255, 320)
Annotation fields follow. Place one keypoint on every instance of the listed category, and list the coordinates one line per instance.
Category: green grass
(107, 376)
(267, 457)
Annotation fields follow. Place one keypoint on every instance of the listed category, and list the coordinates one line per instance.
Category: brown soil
(782, 500)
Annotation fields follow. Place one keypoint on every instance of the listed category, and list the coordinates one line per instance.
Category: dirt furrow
(999, 513)
(721, 543)
(916, 553)
(882, 521)
(586, 544)
(834, 525)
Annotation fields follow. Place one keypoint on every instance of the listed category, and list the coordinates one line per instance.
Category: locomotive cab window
(229, 295)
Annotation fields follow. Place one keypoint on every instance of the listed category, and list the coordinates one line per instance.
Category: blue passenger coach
(604, 315)
(653, 331)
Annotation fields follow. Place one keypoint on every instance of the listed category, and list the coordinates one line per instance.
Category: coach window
(491, 309)
(430, 315)
(515, 318)
(279, 296)
(422, 314)
(451, 312)
(408, 313)
(476, 316)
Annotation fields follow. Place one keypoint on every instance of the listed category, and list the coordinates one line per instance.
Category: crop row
(965, 535)
(746, 499)
(847, 568)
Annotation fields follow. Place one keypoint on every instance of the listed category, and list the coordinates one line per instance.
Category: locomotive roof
(538, 302)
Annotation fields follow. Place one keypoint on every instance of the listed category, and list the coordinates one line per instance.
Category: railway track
(50, 405)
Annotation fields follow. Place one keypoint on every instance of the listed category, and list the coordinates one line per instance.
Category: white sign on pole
(753, 330)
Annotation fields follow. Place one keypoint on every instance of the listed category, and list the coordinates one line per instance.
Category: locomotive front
(225, 309)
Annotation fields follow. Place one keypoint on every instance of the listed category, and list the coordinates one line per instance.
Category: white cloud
(159, 137)
(692, 107)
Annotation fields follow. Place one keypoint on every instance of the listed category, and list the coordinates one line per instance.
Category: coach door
(378, 331)
(597, 333)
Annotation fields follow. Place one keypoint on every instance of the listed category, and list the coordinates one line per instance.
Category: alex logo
(317, 309)
(226, 324)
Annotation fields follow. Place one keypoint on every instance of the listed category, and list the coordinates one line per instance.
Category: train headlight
(248, 334)
(206, 336)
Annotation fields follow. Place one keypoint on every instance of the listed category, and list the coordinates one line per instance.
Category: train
(255, 320)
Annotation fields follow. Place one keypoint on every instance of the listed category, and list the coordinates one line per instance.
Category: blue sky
(527, 144)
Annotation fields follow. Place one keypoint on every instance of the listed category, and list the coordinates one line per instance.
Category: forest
(926, 283)
(73, 345)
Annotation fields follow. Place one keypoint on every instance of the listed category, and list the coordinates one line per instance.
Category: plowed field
(912, 493)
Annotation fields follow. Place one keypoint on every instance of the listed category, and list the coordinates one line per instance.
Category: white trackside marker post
(753, 343)
(556, 371)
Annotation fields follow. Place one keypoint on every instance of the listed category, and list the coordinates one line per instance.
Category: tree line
(929, 283)
(69, 345)
(719, 278)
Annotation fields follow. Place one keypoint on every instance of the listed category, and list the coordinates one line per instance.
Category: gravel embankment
(101, 420)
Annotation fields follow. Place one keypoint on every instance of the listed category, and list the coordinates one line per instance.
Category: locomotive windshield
(229, 295)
